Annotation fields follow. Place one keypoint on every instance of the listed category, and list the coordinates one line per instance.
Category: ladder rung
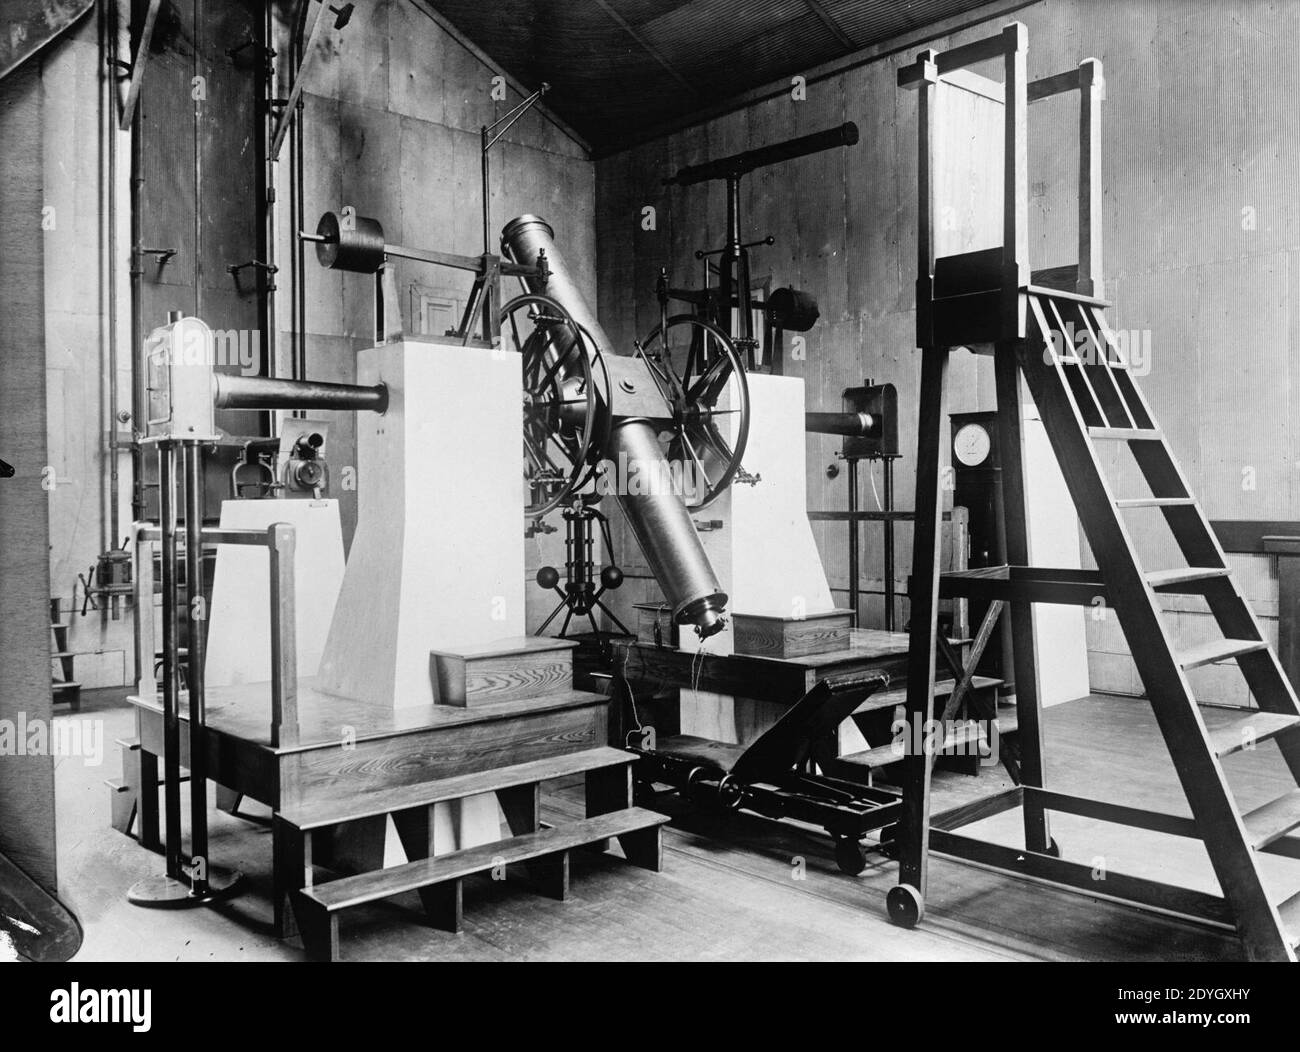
(1257, 727)
(1218, 650)
(1181, 574)
(1289, 911)
(1127, 434)
(1155, 502)
(1275, 819)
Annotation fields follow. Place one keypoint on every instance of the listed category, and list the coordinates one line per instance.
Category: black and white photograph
(651, 482)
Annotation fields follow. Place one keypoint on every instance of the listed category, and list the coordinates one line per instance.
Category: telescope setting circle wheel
(695, 363)
(560, 404)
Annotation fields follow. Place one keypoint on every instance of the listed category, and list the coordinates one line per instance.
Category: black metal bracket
(162, 256)
(269, 269)
(268, 53)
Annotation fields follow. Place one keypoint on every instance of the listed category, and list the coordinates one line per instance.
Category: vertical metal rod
(485, 150)
(854, 526)
(727, 264)
(889, 546)
(194, 678)
(171, 659)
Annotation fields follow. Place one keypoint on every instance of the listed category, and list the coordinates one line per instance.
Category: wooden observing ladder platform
(1087, 395)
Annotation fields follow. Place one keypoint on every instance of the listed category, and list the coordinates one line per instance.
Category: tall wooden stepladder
(1047, 333)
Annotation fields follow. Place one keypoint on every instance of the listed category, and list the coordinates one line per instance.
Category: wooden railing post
(1092, 89)
(284, 636)
(1015, 172)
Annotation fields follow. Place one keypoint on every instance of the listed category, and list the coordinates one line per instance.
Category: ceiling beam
(825, 18)
(647, 47)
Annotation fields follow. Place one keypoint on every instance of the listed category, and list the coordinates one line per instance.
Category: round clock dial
(971, 445)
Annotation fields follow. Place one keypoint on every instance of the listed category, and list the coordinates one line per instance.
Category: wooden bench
(439, 879)
(608, 777)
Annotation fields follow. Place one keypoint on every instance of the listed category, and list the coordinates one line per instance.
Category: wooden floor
(733, 888)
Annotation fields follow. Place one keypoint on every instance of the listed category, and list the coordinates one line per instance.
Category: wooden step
(1275, 819)
(357, 890)
(1155, 502)
(1127, 434)
(1184, 574)
(1218, 650)
(885, 699)
(61, 686)
(1257, 727)
(892, 752)
(380, 802)
(56, 654)
(1289, 911)
(519, 668)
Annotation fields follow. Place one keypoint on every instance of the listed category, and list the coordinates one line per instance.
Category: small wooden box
(762, 635)
(518, 669)
(654, 624)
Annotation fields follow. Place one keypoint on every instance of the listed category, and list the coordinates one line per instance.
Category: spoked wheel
(562, 414)
(695, 365)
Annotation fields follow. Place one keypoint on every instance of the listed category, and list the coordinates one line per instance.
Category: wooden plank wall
(26, 781)
(1201, 143)
(394, 104)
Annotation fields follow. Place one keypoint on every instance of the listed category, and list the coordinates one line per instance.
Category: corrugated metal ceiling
(620, 67)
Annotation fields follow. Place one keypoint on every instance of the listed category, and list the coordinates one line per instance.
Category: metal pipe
(108, 190)
(138, 394)
(854, 527)
(889, 545)
(660, 521)
(171, 660)
(193, 466)
(300, 368)
(257, 392)
(267, 197)
(852, 424)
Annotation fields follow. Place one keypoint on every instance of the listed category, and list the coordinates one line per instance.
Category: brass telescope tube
(660, 521)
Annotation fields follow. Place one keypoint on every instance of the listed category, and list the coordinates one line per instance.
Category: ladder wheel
(849, 856)
(905, 906)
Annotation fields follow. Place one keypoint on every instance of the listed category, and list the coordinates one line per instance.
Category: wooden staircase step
(1127, 434)
(1184, 574)
(376, 803)
(1275, 819)
(1289, 911)
(1218, 650)
(892, 752)
(884, 699)
(357, 890)
(1155, 502)
(1257, 727)
(519, 668)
